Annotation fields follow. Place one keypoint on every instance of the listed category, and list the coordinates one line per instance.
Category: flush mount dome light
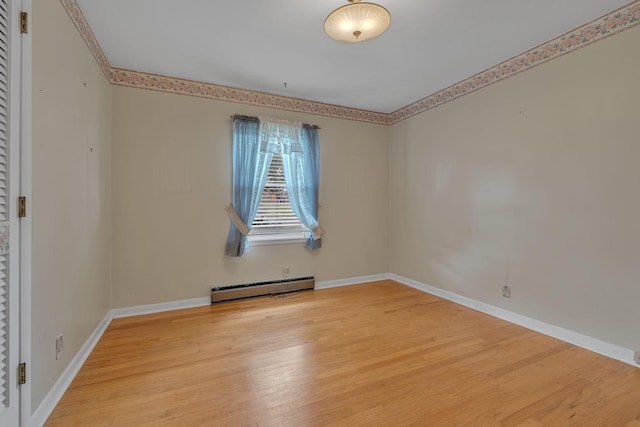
(357, 22)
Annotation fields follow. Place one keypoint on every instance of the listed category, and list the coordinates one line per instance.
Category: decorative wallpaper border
(242, 96)
(621, 19)
(612, 23)
(81, 24)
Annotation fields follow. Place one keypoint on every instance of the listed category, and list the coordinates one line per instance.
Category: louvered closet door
(9, 301)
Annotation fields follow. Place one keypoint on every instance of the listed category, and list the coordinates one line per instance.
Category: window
(275, 221)
(275, 182)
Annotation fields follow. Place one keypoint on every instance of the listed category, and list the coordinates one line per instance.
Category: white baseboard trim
(160, 307)
(351, 281)
(204, 301)
(55, 394)
(593, 344)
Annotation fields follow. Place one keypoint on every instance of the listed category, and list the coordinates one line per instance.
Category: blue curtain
(302, 175)
(251, 161)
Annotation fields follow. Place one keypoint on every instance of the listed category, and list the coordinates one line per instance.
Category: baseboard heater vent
(249, 290)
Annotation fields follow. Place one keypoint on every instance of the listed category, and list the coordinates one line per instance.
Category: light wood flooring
(377, 354)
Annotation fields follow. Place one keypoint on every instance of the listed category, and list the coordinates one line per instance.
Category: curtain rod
(249, 117)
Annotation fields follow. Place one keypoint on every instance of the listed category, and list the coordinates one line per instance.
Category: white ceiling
(261, 44)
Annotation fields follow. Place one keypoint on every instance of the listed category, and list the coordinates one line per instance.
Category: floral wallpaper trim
(612, 23)
(621, 19)
(81, 24)
(242, 96)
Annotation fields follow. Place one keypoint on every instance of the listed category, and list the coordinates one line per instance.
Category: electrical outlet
(59, 346)
(506, 291)
(636, 357)
(285, 271)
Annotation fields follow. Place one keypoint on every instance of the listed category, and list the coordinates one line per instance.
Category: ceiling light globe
(357, 22)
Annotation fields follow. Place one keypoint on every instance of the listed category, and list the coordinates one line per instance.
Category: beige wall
(171, 180)
(71, 206)
(534, 177)
(538, 175)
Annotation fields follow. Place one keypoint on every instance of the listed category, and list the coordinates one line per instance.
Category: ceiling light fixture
(357, 22)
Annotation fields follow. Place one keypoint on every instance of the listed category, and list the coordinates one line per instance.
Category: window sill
(277, 239)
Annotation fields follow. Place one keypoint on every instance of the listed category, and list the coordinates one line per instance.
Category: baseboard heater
(249, 290)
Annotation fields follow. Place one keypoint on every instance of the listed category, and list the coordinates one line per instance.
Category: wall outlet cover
(506, 291)
(59, 346)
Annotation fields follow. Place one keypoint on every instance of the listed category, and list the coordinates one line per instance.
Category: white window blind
(4, 259)
(275, 215)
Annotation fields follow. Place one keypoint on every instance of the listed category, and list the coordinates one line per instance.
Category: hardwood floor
(378, 354)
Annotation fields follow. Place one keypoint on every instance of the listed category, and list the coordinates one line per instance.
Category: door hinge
(22, 373)
(22, 207)
(24, 22)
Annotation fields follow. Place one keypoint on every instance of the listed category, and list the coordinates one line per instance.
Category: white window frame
(276, 236)
(277, 239)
